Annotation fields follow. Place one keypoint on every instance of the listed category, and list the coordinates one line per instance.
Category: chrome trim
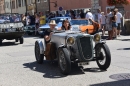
(42, 46)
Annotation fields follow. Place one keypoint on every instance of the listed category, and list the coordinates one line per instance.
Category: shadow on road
(114, 83)
(122, 79)
(123, 49)
(50, 69)
(94, 70)
(8, 44)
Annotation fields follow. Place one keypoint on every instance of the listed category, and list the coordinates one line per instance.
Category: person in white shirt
(89, 15)
(109, 24)
(103, 23)
(118, 21)
(99, 15)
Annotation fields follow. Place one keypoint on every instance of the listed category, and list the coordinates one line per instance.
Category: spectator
(99, 15)
(37, 21)
(103, 23)
(118, 21)
(28, 19)
(82, 15)
(114, 25)
(109, 24)
(89, 15)
(42, 19)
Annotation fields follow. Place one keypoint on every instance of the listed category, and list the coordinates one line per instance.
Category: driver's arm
(47, 36)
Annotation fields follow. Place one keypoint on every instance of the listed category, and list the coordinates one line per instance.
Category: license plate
(83, 63)
(31, 31)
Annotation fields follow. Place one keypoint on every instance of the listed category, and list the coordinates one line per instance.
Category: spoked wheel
(0, 42)
(21, 40)
(64, 61)
(103, 56)
(39, 57)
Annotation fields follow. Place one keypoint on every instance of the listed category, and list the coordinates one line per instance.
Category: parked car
(11, 27)
(46, 26)
(30, 29)
(85, 25)
(73, 46)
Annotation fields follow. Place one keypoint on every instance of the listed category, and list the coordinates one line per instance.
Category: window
(38, 1)
(13, 5)
(23, 2)
(45, 0)
(19, 3)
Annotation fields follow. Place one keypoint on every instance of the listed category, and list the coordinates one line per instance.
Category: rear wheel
(39, 57)
(64, 61)
(21, 40)
(0, 42)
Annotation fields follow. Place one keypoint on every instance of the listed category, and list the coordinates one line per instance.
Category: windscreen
(57, 20)
(79, 22)
(10, 18)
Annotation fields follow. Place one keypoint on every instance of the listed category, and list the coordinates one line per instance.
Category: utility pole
(49, 6)
(26, 5)
(11, 6)
(36, 6)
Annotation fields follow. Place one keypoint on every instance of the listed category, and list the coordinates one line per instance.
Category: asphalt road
(18, 67)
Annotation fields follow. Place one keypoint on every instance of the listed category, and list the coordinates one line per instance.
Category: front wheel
(21, 40)
(16, 40)
(39, 57)
(103, 56)
(64, 61)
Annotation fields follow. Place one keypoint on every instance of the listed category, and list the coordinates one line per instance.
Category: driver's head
(52, 24)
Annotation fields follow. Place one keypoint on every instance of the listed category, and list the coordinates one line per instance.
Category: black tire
(21, 40)
(0, 42)
(100, 57)
(66, 57)
(39, 57)
(16, 40)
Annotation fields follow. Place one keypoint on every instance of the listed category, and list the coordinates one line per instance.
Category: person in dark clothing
(65, 25)
(82, 15)
(48, 33)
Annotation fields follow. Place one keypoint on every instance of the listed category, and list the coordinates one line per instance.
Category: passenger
(65, 25)
(48, 33)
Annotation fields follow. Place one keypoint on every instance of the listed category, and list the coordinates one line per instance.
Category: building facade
(7, 6)
(31, 6)
(70, 4)
(42, 6)
(2, 6)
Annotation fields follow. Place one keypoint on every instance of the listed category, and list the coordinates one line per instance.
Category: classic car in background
(46, 26)
(11, 27)
(85, 25)
(73, 46)
(29, 29)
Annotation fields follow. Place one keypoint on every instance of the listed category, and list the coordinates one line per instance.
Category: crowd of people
(110, 22)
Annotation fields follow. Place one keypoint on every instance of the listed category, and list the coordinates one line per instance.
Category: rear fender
(42, 46)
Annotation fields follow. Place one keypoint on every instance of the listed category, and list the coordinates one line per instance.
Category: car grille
(86, 47)
(31, 28)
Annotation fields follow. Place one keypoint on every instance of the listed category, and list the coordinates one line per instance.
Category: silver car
(74, 46)
(11, 27)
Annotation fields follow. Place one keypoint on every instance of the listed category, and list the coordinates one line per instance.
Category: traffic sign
(60, 8)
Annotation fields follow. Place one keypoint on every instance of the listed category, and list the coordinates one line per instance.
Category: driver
(48, 33)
